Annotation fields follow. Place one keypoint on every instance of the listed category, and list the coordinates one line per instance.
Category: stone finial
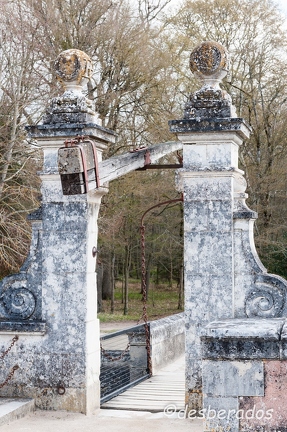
(209, 61)
(73, 69)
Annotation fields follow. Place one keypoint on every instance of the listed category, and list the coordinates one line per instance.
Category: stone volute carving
(18, 303)
(210, 63)
(21, 293)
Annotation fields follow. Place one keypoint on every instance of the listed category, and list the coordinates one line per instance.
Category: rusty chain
(144, 290)
(11, 373)
(14, 340)
(111, 358)
(14, 368)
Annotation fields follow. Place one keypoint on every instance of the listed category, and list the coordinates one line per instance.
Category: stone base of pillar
(77, 400)
(244, 375)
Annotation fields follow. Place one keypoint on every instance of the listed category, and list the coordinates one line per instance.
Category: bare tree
(20, 89)
(253, 31)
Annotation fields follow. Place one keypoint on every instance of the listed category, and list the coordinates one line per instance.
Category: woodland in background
(140, 50)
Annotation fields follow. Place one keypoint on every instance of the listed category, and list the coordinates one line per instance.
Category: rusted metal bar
(162, 166)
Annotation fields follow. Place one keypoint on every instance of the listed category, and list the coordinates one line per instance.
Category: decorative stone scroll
(267, 298)
(17, 303)
(21, 293)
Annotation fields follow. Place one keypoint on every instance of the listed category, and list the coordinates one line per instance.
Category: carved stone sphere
(209, 60)
(73, 66)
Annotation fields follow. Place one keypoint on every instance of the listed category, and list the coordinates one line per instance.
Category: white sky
(283, 5)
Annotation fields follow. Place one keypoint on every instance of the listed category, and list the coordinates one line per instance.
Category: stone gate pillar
(211, 135)
(51, 305)
(236, 357)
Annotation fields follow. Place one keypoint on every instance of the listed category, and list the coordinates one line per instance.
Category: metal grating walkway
(165, 388)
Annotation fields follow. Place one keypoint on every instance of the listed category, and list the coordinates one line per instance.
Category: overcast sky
(283, 5)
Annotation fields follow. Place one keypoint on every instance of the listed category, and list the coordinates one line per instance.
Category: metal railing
(124, 361)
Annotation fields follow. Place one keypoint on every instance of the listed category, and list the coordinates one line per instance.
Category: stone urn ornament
(209, 62)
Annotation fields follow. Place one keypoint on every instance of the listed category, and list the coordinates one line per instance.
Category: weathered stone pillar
(235, 311)
(211, 137)
(58, 351)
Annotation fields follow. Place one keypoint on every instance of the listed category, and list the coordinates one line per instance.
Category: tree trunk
(113, 283)
(126, 279)
(180, 289)
(100, 286)
(157, 275)
(107, 281)
(171, 273)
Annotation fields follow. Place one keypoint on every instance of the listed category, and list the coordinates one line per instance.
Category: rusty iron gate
(124, 361)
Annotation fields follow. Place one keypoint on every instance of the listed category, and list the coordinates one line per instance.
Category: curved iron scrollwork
(267, 299)
(18, 303)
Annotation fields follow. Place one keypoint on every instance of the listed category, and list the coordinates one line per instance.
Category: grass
(162, 301)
